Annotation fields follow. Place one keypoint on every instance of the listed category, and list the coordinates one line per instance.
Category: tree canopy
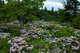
(20, 9)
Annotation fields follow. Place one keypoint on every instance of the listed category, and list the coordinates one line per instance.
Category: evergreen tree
(45, 9)
(72, 6)
(9, 0)
(52, 11)
(1, 3)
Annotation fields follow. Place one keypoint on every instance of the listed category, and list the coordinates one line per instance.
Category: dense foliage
(23, 10)
(76, 22)
(26, 28)
(42, 36)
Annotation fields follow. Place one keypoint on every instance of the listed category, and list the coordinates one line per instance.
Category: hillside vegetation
(40, 37)
(27, 27)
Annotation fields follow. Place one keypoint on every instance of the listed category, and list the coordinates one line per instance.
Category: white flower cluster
(4, 35)
(56, 30)
(77, 32)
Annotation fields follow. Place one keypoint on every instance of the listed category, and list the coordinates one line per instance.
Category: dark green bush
(30, 18)
(76, 22)
(4, 46)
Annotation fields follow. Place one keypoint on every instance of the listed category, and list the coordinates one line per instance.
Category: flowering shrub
(37, 33)
(77, 32)
(18, 44)
(65, 44)
(54, 28)
(14, 23)
(40, 23)
(46, 37)
(3, 28)
(4, 35)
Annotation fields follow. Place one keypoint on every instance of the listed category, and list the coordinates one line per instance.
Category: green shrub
(38, 45)
(4, 46)
(14, 30)
(30, 18)
(76, 22)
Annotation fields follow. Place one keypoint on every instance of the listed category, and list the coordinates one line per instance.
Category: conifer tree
(52, 11)
(72, 6)
(1, 3)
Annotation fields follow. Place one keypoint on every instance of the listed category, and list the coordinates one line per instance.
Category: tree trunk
(23, 22)
(75, 10)
(21, 25)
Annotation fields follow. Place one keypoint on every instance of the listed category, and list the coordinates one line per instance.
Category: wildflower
(20, 48)
(15, 44)
(32, 46)
(20, 43)
(19, 51)
(52, 41)
(19, 39)
(23, 30)
(23, 41)
(13, 50)
(29, 48)
(26, 45)
(9, 41)
(23, 51)
(72, 36)
(40, 52)
(32, 27)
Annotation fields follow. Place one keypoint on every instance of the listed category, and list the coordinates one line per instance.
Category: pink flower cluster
(18, 43)
(32, 27)
(23, 31)
(15, 23)
(36, 33)
(3, 27)
(10, 24)
(66, 41)
(30, 48)
(30, 33)
(40, 52)
(52, 41)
